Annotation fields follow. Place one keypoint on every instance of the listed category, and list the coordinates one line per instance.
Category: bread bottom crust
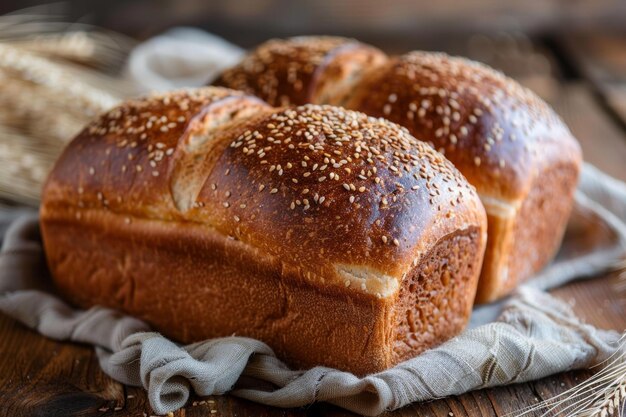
(192, 283)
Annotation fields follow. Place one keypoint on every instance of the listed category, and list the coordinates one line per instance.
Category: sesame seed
(384, 238)
(273, 190)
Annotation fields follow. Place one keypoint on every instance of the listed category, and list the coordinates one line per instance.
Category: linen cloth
(534, 334)
(180, 57)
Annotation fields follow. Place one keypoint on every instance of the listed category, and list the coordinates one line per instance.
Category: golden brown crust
(446, 278)
(301, 70)
(123, 160)
(192, 284)
(327, 187)
(492, 129)
(522, 244)
(322, 203)
(206, 285)
(501, 136)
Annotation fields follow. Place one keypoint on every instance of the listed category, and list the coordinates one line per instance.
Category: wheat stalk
(40, 30)
(43, 104)
(73, 87)
(602, 395)
(611, 405)
(46, 96)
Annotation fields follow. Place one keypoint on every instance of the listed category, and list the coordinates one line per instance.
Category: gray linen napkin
(534, 334)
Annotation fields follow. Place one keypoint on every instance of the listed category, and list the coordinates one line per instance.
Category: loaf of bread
(336, 238)
(507, 142)
(303, 70)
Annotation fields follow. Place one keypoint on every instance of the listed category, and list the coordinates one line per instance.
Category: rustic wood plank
(598, 302)
(603, 141)
(247, 23)
(601, 59)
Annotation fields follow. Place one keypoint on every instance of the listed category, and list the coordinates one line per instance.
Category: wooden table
(40, 377)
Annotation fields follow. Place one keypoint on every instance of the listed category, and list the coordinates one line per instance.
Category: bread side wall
(521, 245)
(495, 265)
(436, 297)
(540, 223)
(191, 284)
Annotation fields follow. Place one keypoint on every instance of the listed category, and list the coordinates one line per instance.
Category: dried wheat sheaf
(54, 80)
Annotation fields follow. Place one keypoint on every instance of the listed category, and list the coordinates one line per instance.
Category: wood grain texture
(602, 139)
(601, 59)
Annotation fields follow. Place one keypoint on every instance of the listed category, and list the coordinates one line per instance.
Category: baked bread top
(340, 198)
(303, 69)
(498, 133)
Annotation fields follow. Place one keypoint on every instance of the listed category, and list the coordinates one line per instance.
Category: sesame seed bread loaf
(508, 143)
(301, 70)
(336, 238)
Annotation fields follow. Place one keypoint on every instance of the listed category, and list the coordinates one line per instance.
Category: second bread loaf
(510, 145)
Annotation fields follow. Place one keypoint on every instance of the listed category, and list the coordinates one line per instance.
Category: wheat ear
(602, 395)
